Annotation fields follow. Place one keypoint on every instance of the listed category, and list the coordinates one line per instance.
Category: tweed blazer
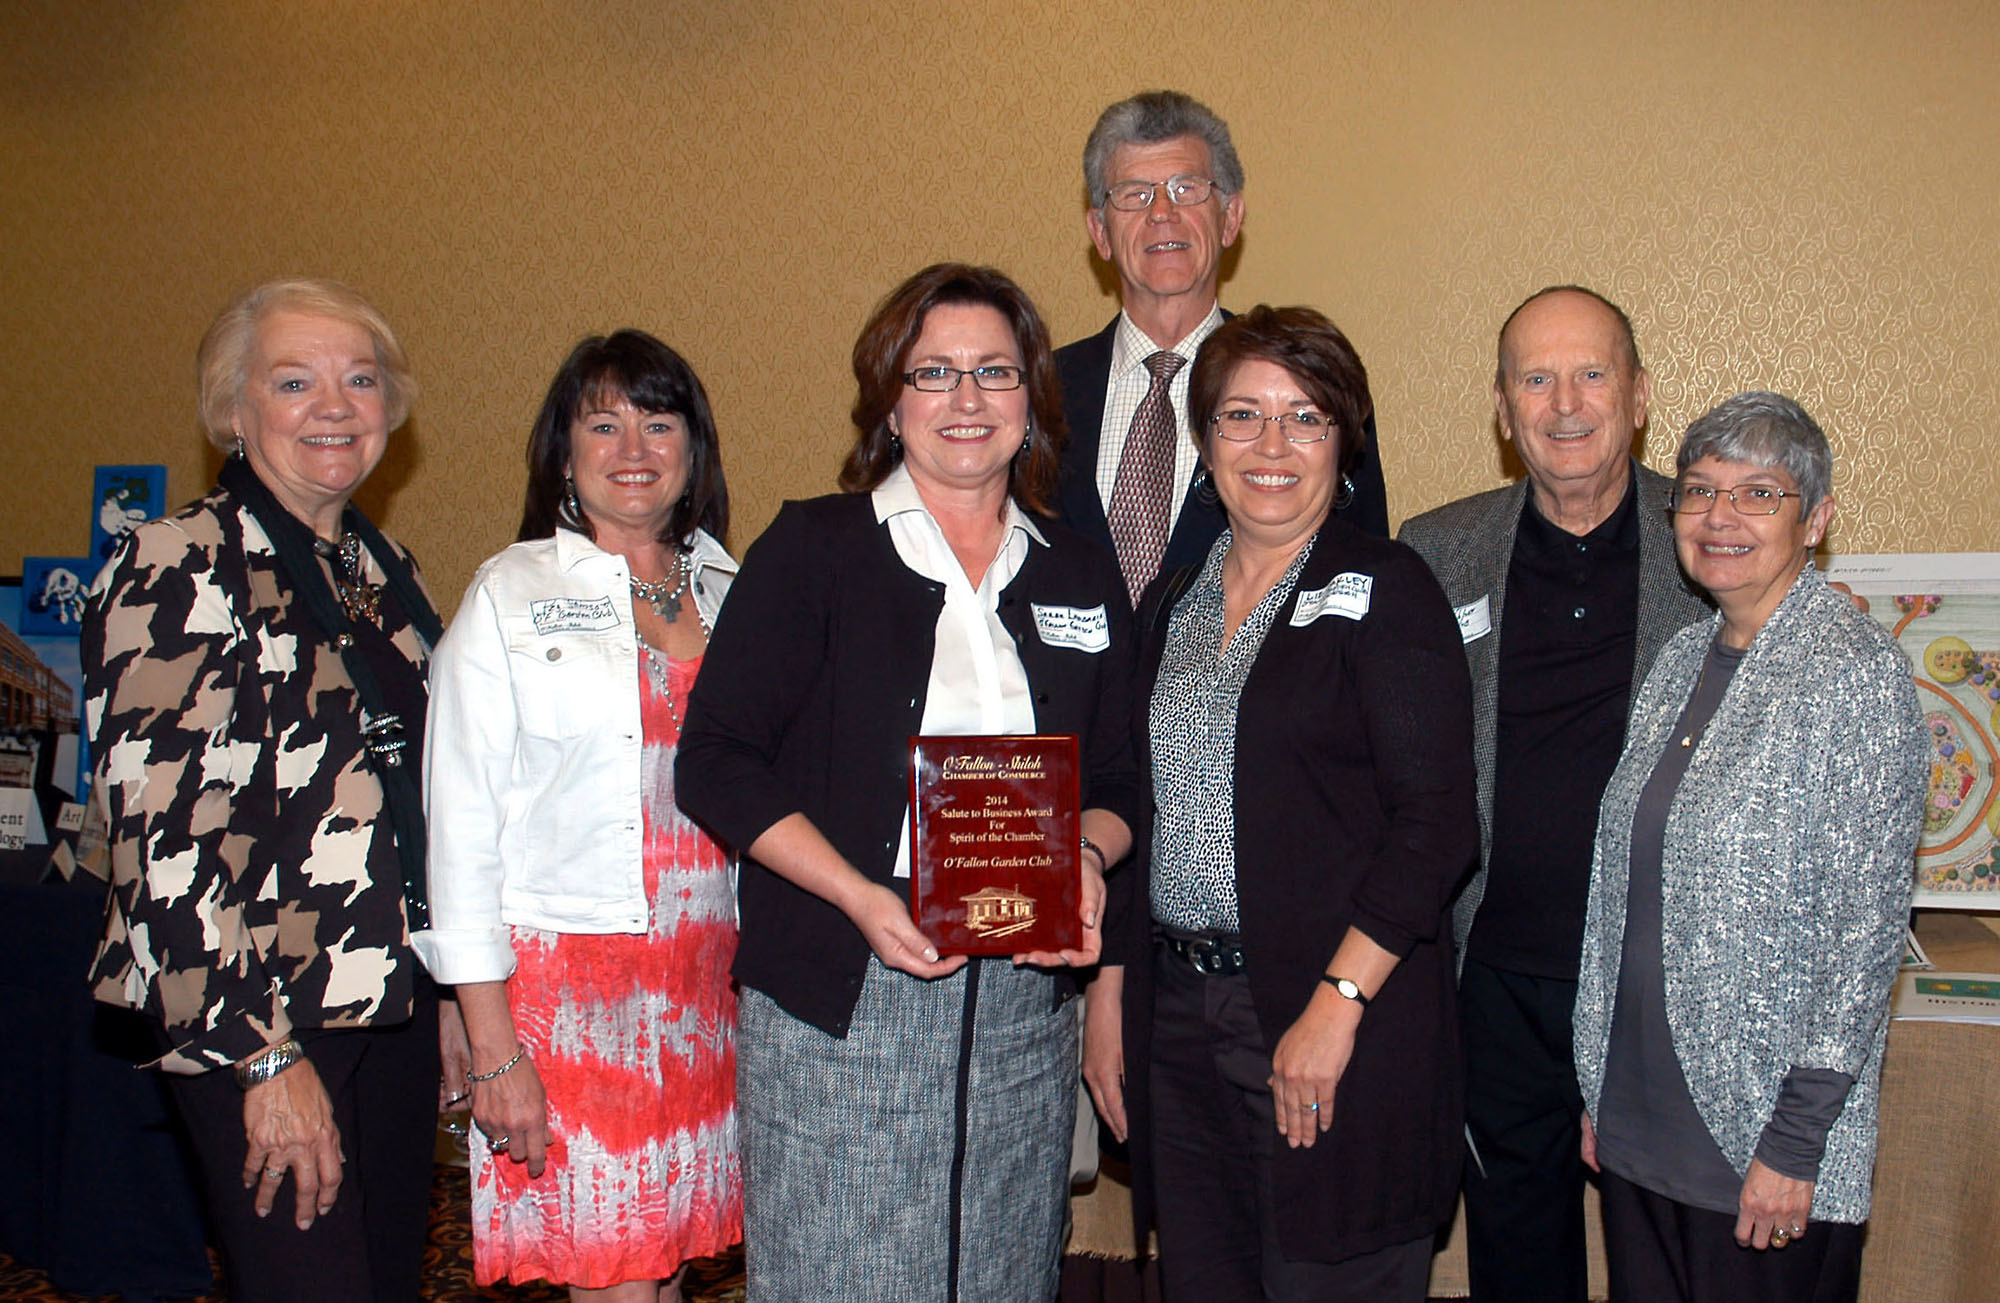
(1469, 545)
(1786, 875)
(255, 881)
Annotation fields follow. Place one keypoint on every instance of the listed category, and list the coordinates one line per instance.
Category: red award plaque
(995, 863)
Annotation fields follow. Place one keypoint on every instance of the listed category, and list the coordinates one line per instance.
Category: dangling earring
(572, 510)
(1204, 488)
(1342, 499)
(895, 440)
(1027, 442)
(239, 445)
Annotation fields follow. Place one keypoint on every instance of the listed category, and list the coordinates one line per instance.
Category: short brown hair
(881, 355)
(1308, 346)
(222, 364)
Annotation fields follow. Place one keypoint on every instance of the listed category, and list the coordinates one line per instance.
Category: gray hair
(1149, 118)
(1768, 430)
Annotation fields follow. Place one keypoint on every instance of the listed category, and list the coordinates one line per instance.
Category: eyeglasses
(944, 379)
(1137, 196)
(1748, 499)
(1242, 424)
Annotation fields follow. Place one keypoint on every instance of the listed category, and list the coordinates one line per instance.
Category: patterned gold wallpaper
(1784, 195)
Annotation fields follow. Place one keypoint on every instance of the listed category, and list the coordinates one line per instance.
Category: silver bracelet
(268, 1064)
(500, 1071)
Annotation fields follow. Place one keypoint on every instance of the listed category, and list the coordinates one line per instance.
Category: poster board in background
(121, 499)
(1943, 608)
(41, 692)
(52, 593)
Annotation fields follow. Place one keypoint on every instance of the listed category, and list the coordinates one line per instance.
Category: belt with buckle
(1209, 956)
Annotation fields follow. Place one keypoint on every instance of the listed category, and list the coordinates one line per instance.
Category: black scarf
(383, 731)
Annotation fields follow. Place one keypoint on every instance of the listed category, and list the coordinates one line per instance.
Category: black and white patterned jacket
(255, 884)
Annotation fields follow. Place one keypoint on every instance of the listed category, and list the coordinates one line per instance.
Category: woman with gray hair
(1747, 897)
(253, 673)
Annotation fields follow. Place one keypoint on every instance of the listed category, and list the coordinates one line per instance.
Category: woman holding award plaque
(906, 1113)
(1289, 1065)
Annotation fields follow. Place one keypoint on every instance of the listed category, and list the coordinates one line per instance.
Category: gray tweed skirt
(917, 1159)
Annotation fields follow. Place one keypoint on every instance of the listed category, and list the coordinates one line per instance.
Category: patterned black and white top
(1193, 724)
(255, 883)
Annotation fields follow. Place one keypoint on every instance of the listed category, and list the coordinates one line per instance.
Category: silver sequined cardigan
(1787, 873)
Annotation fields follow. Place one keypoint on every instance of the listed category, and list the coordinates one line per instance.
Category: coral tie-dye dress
(634, 1037)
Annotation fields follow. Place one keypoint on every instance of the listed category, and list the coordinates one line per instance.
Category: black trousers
(1524, 1186)
(1662, 1251)
(383, 1082)
(1214, 1131)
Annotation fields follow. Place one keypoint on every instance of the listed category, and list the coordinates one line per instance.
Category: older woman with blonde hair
(254, 688)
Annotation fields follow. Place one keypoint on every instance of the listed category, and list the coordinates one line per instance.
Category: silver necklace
(657, 667)
(665, 596)
(359, 600)
(1687, 738)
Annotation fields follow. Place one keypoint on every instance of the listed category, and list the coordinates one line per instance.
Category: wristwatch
(1346, 988)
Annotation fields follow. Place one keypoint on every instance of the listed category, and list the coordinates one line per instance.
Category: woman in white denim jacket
(587, 924)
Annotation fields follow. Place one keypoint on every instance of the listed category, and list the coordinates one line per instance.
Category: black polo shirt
(1567, 640)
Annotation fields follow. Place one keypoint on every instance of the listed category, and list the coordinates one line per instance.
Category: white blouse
(977, 683)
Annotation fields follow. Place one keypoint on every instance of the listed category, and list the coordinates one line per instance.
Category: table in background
(98, 1191)
(1931, 1234)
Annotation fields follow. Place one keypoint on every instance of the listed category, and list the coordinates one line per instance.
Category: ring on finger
(274, 1174)
(1314, 1106)
(1780, 1238)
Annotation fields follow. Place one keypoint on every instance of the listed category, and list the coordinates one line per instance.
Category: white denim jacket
(531, 753)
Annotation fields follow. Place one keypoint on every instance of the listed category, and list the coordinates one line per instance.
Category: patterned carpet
(447, 1266)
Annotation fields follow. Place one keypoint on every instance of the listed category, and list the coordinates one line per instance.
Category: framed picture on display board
(1943, 609)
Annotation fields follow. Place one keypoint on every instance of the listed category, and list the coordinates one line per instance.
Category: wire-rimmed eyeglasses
(1748, 499)
(944, 379)
(1242, 424)
(1137, 196)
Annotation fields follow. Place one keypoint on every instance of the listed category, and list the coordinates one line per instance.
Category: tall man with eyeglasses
(1166, 195)
(1565, 586)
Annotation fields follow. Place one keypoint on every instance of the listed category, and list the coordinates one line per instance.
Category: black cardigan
(1353, 806)
(814, 683)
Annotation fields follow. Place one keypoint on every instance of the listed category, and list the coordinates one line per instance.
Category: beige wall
(1800, 196)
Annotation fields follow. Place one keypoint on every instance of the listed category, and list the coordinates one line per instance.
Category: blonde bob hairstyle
(222, 364)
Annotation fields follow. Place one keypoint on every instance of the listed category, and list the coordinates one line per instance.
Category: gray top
(1648, 1131)
(1785, 875)
(1193, 723)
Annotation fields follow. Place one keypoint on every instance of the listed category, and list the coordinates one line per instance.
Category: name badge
(1347, 596)
(1475, 620)
(1083, 628)
(573, 614)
